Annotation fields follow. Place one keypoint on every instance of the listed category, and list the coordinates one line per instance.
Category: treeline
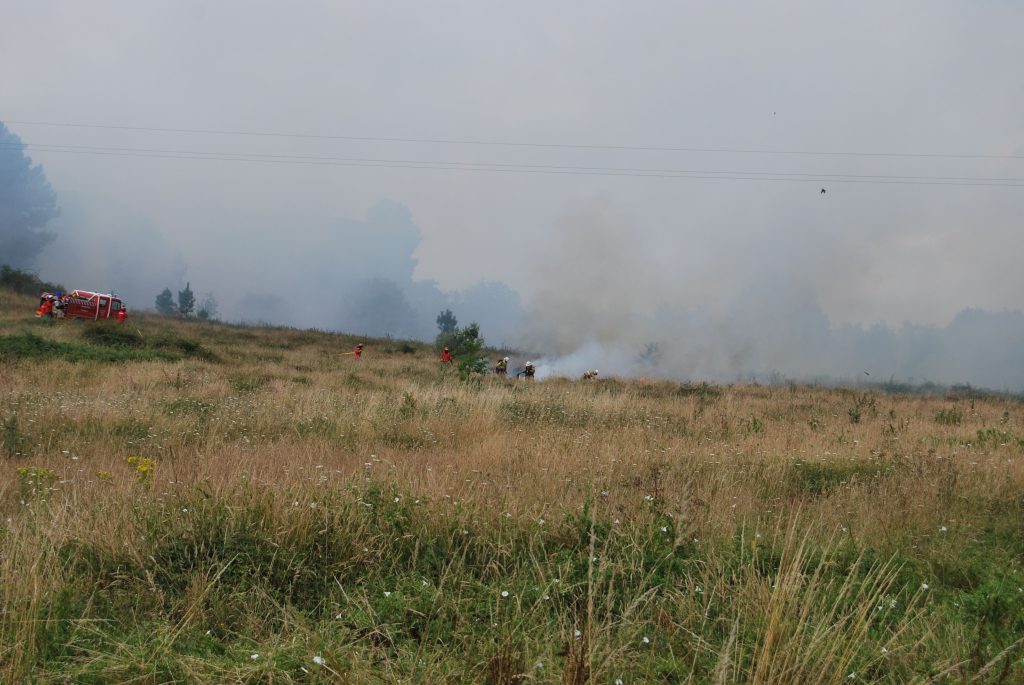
(25, 282)
(185, 305)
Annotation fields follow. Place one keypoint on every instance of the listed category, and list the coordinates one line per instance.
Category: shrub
(25, 282)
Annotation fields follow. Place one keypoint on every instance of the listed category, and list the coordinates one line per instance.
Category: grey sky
(916, 77)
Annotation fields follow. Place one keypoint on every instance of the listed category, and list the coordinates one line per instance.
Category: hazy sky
(925, 78)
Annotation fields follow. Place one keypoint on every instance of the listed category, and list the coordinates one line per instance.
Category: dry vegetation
(189, 502)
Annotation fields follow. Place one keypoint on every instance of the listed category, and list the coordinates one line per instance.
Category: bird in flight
(822, 191)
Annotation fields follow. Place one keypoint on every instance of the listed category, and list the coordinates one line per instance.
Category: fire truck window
(103, 302)
(116, 305)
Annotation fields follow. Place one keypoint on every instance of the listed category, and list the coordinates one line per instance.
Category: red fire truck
(83, 304)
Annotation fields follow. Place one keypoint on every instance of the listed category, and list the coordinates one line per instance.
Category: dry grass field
(197, 502)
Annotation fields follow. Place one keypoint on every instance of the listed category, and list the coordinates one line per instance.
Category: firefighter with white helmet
(590, 375)
(501, 368)
(528, 371)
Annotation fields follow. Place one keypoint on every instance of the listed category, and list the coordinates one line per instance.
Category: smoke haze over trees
(102, 245)
(761, 323)
(358, 276)
(618, 202)
(27, 204)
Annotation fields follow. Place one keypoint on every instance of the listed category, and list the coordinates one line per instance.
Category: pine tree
(186, 301)
(446, 321)
(165, 303)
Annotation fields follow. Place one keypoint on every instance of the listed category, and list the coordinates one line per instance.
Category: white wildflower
(504, 593)
(319, 660)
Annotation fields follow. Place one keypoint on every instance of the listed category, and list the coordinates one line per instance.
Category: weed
(34, 481)
(249, 382)
(145, 470)
(949, 417)
(754, 425)
(861, 403)
(15, 443)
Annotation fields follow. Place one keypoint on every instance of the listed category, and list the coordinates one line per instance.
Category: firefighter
(528, 370)
(45, 307)
(590, 375)
(446, 356)
(122, 314)
(358, 352)
(501, 368)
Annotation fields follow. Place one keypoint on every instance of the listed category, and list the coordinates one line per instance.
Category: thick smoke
(612, 308)
(104, 246)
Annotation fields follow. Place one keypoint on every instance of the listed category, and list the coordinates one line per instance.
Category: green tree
(25, 282)
(446, 321)
(27, 203)
(186, 300)
(466, 345)
(165, 303)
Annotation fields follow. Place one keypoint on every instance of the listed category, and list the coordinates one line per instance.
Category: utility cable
(574, 146)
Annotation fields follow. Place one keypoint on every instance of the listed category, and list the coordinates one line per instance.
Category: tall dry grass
(372, 513)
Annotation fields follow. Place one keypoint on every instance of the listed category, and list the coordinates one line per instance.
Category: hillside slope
(199, 502)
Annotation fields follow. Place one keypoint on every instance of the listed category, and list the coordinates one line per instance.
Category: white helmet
(595, 372)
(529, 363)
(505, 359)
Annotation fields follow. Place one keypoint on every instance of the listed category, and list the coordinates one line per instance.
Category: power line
(528, 169)
(262, 157)
(572, 146)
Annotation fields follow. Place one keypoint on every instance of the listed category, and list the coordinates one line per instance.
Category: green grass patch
(818, 479)
(372, 571)
(249, 382)
(33, 347)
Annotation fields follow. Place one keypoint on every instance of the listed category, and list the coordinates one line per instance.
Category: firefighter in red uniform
(446, 356)
(122, 314)
(358, 352)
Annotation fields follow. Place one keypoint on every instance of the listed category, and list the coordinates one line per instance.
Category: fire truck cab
(83, 304)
